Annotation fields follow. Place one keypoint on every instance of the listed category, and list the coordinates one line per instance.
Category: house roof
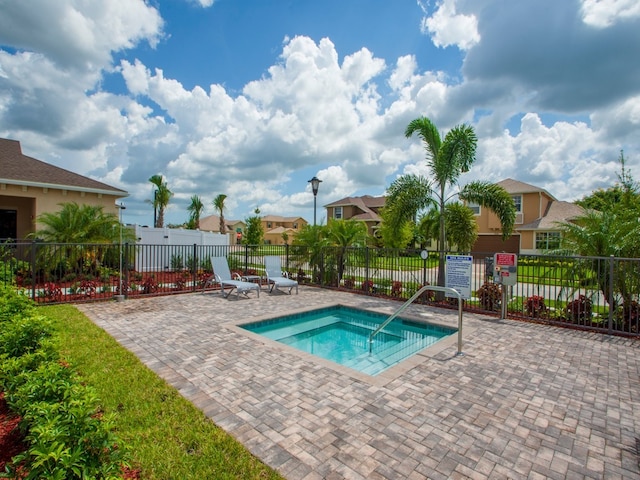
(211, 223)
(515, 186)
(19, 169)
(557, 212)
(278, 218)
(366, 204)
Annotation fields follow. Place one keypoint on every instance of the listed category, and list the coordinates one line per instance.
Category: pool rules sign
(458, 274)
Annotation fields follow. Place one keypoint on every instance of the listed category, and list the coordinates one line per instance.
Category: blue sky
(253, 98)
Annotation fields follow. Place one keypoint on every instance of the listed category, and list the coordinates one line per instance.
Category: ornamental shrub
(535, 306)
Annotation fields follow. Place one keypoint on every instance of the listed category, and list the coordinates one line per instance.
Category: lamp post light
(120, 296)
(315, 183)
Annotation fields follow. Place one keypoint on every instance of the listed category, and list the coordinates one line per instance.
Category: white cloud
(604, 13)
(447, 27)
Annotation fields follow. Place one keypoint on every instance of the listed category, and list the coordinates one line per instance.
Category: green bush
(68, 437)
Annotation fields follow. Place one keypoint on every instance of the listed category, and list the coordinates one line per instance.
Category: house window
(295, 226)
(547, 240)
(268, 224)
(337, 212)
(475, 208)
(517, 201)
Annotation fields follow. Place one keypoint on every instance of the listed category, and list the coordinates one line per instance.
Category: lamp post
(315, 183)
(120, 296)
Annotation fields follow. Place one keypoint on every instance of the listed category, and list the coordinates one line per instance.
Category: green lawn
(168, 436)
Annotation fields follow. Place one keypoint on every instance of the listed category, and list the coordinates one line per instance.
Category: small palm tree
(218, 203)
(75, 223)
(161, 198)
(344, 234)
(195, 210)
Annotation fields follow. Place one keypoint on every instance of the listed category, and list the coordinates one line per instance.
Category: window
(268, 224)
(295, 225)
(475, 208)
(517, 201)
(547, 240)
(337, 212)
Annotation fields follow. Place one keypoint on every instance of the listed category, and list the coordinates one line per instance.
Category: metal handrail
(411, 300)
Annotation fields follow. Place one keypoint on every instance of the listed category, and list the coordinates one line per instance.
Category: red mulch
(11, 440)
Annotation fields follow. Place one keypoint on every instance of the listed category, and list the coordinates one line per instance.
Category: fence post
(611, 293)
(194, 267)
(33, 269)
(366, 264)
(125, 274)
(286, 255)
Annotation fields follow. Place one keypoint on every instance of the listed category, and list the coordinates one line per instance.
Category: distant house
(235, 228)
(365, 209)
(274, 226)
(536, 226)
(30, 187)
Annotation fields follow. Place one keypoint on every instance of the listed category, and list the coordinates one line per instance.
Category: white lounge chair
(276, 278)
(222, 275)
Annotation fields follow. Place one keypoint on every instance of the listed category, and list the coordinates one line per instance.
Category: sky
(252, 98)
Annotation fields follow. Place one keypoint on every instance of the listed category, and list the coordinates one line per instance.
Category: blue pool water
(341, 334)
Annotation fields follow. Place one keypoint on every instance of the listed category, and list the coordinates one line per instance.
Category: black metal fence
(595, 293)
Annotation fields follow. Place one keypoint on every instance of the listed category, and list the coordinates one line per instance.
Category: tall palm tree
(218, 204)
(161, 198)
(447, 160)
(195, 209)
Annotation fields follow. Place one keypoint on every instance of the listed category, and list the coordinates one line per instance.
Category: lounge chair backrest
(272, 266)
(221, 268)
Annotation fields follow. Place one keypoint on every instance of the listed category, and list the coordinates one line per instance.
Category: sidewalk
(524, 401)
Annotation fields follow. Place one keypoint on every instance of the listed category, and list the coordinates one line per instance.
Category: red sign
(505, 259)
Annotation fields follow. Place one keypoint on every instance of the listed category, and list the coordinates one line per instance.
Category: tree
(195, 209)
(392, 234)
(447, 160)
(161, 198)
(461, 225)
(218, 203)
(75, 223)
(344, 234)
(308, 246)
(611, 230)
(254, 232)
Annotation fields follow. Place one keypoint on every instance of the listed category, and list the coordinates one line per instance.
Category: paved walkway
(524, 401)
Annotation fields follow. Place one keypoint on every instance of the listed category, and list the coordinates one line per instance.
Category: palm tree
(75, 223)
(195, 209)
(447, 160)
(218, 203)
(344, 234)
(162, 196)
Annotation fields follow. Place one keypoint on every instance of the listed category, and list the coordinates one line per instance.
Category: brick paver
(524, 401)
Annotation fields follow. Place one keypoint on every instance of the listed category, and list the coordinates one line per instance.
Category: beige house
(30, 187)
(536, 226)
(235, 228)
(274, 226)
(365, 208)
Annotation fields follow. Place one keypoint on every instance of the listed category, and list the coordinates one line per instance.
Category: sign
(458, 274)
(506, 268)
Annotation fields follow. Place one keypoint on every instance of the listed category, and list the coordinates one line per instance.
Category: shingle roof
(366, 204)
(557, 212)
(515, 186)
(19, 169)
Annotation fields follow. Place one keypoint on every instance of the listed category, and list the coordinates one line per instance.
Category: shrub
(150, 285)
(349, 282)
(579, 310)
(490, 296)
(368, 286)
(396, 289)
(535, 306)
(427, 295)
(67, 436)
(51, 292)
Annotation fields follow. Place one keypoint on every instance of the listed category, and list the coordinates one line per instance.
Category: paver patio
(524, 401)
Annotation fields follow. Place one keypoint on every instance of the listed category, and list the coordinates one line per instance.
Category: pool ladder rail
(402, 308)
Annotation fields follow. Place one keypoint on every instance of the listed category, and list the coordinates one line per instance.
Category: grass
(168, 436)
